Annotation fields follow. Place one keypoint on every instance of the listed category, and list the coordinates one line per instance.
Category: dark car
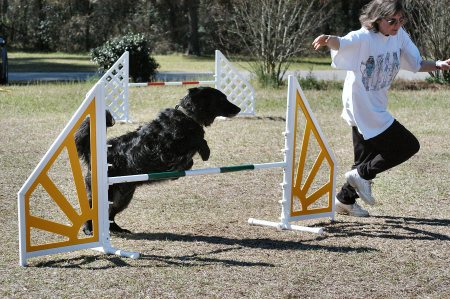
(3, 61)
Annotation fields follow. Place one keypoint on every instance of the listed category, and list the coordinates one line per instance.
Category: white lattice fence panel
(233, 84)
(116, 88)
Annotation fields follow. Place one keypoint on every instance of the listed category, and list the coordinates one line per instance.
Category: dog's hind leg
(120, 198)
(87, 227)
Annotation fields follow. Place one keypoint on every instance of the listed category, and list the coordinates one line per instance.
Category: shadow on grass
(196, 259)
(192, 260)
(387, 227)
(391, 227)
(263, 243)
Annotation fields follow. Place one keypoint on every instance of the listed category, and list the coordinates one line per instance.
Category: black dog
(167, 143)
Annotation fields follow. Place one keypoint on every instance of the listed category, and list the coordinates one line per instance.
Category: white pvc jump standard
(295, 99)
(93, 105)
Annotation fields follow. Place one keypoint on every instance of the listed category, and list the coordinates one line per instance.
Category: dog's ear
(110, 121)
(193, 91)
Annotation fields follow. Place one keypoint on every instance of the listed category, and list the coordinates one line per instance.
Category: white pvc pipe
(281, 226)
(269, 165)
(112, 250)
(137, 84)
(207, 82)
(127, 179)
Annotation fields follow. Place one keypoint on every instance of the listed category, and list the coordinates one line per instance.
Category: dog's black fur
(167, 143)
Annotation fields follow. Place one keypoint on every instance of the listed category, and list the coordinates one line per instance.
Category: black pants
(375, 155)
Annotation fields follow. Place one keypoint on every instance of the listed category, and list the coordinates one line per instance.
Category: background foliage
(142, 65)
(199, 26)
(192, 27)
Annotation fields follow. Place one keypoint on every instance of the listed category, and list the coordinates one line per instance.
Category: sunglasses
(393, 21)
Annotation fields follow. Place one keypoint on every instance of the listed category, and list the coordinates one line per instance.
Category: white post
(288, 153)
(285, 218)
(102, 180)
(218, 70)
(22, 229)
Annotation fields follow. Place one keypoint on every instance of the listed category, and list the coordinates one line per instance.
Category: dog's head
(204, 104)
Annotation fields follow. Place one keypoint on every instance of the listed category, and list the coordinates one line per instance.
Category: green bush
(311, 82)
(439, 77)
(142, 65)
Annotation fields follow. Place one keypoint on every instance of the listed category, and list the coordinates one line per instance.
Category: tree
(193, 46)
(430, 30)
(274, 31)
(180, 18)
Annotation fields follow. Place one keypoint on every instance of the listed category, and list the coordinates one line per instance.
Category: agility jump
(226, 78)
(299, 201)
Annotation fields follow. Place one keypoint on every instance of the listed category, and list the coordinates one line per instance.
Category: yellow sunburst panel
(299, 190)
(68, 232)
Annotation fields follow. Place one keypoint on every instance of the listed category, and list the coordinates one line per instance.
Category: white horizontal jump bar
(137, 84)
(171, 83)
(201, 171)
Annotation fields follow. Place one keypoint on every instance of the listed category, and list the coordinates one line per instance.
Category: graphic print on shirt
(386, 71)
(367, 71)
(380, 73)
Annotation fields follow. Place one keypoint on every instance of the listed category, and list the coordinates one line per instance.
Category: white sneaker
(351, 210)
(363, 187)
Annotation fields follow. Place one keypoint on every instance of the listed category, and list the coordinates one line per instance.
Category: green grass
(193, 232)
(49, 62)
(183, 63)
(63, 62)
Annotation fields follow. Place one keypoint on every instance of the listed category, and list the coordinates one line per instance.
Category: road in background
(337, 75)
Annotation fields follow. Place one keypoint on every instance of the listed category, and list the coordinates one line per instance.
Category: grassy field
(63, 62)
(193, 232)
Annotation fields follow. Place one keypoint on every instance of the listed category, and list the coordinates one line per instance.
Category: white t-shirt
(372, 61)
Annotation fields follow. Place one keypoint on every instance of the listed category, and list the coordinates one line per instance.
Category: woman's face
(391, 25)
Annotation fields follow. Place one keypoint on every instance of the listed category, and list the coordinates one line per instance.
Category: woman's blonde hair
(377, 10)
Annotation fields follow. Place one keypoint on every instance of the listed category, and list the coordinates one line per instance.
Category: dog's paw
(87, 228)
(87, 231)
(204, 151)
(114, 228)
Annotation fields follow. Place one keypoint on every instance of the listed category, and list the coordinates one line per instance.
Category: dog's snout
(232, 110)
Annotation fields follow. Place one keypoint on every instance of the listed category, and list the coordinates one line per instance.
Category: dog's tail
(83, 137)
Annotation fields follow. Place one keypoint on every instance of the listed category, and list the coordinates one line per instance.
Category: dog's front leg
(204, 150)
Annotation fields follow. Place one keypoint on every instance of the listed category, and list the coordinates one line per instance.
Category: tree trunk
(4, 8)
(193, 47)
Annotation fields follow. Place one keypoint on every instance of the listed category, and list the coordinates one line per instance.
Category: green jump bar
(176, 174)
(166, 175)
(237, 168)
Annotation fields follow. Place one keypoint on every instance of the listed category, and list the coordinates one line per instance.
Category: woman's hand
(330, 41)
(443, 65)
(320, 41)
